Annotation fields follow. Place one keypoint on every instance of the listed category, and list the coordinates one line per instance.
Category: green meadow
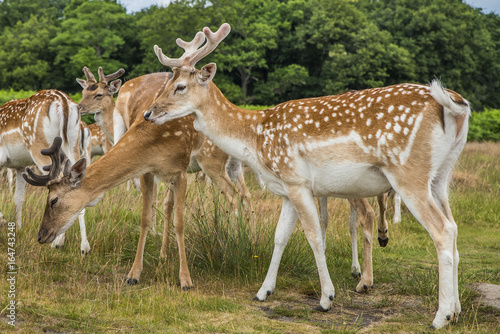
(60, 291)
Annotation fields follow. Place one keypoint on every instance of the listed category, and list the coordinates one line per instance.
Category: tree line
(278, 49)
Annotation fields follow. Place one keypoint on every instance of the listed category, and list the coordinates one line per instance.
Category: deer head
(59, 213)
(98, 96)
(187, 89)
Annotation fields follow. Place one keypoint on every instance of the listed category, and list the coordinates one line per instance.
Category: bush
(484, 126)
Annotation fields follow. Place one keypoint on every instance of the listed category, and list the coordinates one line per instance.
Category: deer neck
(104, 118)
(231, 128)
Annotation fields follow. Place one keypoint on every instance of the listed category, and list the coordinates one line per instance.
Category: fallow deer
(352, 145)
(28, 125)
(99, 143)
(133, 98)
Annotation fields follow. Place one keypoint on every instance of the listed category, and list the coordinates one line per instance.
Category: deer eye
(53, 202)
(180, 88)
(98, 97)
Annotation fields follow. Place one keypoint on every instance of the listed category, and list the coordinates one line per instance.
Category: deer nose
(147, 114)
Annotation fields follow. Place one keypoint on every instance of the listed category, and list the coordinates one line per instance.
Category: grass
(59, 291)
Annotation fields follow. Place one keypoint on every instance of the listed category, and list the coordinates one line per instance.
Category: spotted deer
(353, 145)
(133, 98)
(99, 143)
(27, 126)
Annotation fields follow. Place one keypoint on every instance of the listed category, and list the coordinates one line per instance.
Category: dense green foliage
(277, 50)
(485, 126)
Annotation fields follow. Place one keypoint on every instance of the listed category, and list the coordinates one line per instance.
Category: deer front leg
(383, 229)
(179, 194)
(19, 196)
(147, 188)
(323, 217)
(84, 245)
(286, 223)
(303, 201)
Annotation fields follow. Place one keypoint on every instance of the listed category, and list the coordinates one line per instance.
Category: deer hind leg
(234, 170)
(179, 187)
(353, 231)
(443, 232)
(383, 229)
(367, 217)
(286, 223)
(323, 217)
(303, 201)
(168, 206)
(147, 187)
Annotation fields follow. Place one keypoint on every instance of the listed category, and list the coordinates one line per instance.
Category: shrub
(484, 126)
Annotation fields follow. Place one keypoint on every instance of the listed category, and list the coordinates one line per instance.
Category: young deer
(28, 125)
(133, 98)
(352, 145)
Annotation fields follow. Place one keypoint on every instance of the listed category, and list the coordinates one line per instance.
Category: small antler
(192, 54)
(57, 157)
(88, 74)
(107, 78)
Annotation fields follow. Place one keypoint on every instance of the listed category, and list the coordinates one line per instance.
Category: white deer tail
(456, 107)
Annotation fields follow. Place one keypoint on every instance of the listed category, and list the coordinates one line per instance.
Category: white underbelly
(15, 156)
(348, 181)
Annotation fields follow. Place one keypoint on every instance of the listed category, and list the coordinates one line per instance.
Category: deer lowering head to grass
(27, 126)
(134, 97)
(352, 145)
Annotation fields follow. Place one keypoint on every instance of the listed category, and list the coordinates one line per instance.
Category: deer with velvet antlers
(352, 145)
(27, 126)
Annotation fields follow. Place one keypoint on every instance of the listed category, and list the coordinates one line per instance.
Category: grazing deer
(352, 145)
(133, 98)
(28, 125)
(145, 150)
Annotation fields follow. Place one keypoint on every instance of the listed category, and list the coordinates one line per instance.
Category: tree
(93, 34)
(24, 62)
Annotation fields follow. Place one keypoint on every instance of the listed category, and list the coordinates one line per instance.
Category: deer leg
(367, 217)
(84, 245)
(353, 231)
(444, 234)
(10, 178)
(383, 229)
(147, 187)
(19, 196)
(235, 173)
(397, 209)
(286, 223)
(179, 194)
(217, 173)
(323, 217)
(303, 201)
(168, 205)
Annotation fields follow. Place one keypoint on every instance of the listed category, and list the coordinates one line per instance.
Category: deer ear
(82, 83)
(114, 86)
(77, 172)
(206, 74)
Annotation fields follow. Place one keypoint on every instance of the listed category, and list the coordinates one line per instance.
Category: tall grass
(60, 291)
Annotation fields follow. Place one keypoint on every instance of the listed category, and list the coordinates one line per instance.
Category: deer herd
(403, 139)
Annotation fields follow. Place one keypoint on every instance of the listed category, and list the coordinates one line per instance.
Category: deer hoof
(187, 288)
(321, 309)
(132, 281)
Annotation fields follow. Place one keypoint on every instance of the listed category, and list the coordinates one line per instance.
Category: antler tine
(55, 154)
(107, 78)
(115, 75)
(90, 77)
(213, 39)
(189, 49)
(192, 54)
